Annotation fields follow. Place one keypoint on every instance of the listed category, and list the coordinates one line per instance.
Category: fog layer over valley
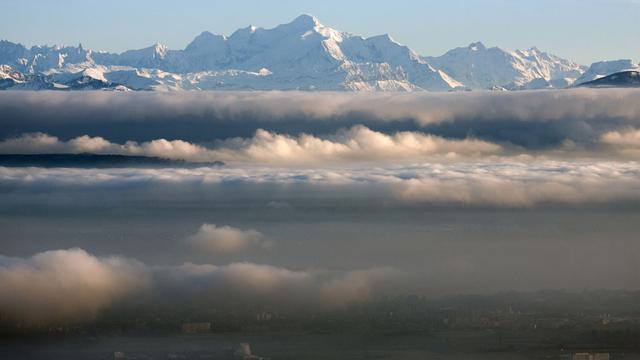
(324, 199)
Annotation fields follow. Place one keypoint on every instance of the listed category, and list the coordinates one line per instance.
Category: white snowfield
(301, 55)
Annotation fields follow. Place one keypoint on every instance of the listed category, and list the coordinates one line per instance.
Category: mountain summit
(301, 55)
(479, 67)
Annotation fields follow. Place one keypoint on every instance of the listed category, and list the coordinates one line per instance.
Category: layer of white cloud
(356, 144)
(40, 143)
(425, 107)
(276, 284)
(523, 184)
(517, 184)
(226, 239)
(528, 121)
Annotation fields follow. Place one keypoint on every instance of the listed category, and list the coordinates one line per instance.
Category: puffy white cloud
(87, 144)
(175, 149)
(626, 142)
(278, 285)
(66, 285)
(73, 285)
(39, 143)
(261, 278)
(358, 143)
(226, 239)
(33, 143)
(357, 285)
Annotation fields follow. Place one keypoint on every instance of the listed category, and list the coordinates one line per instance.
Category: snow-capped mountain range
(300, 55)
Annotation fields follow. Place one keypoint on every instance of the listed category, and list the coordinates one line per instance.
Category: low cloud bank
(497, 184)
(242, 282)
(67, 286)
(40, 143)
(532, 119)
(356, 144)
(424, 107)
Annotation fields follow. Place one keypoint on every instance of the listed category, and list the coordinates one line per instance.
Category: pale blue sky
(582, 30)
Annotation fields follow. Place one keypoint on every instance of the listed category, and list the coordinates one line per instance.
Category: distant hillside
(92, 161)
(620, 79)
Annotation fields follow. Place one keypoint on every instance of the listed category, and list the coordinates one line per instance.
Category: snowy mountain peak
(206, 39)
(477, 46)
(160, 50)
(303, 54)
(305, 21)
(308, 25)
(244, 33)
(479, 67)
(383, 38)
(160, 47)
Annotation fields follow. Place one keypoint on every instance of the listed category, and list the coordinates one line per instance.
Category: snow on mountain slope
(9, 77)
(41, 58)
(303, 42)
(306, 54)
(6, 72)
(135, 79)
(151, 57)
(384, 50)
(16, 80)
(603, 68)
(67, 75)
(541, 83)
(206, 52)
(479, 67)
(301, 55)
(12, 54)
(548, 66)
